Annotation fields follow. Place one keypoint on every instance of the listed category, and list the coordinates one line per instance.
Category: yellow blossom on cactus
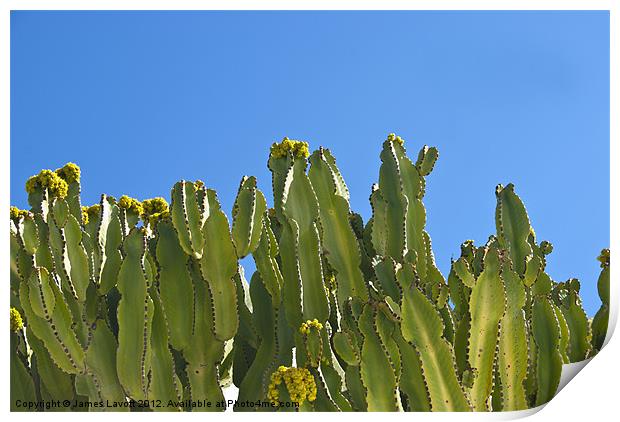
(153, 219)
(199, 184)
(16, 213)
(154, 206)
(70, 172)
(16, 320)
(308, 325)
(31, 183)
(49, 180)
(84, 215)
(395, 138)
(298, 149)
(90, 212)
(131, 204)
(299, 383)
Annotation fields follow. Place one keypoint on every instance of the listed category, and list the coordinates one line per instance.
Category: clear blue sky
(140, 100)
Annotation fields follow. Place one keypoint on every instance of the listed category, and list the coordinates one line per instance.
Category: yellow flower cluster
(55, 184)
(308, 325)
(16, 320)
(199, 184)
(298, 149)
(131, 204)
(90, 212)
(604, 258)
(155, 205)
(154, 210)
(394, 138)
(70, 172)
(154, 218)
(16, 213)
(299, 383)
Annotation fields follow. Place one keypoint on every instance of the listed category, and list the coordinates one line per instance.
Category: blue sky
(142, 99)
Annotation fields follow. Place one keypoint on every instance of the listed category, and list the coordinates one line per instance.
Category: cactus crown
(604, 258)
(299, 149)
(154, 206)
(90, 212)
(308, 325)
(70, 172)
(299, 383)
(56, 185)
(392, 137)
(546, 247)
(131, 204)
(16, 213)
(154, 210)
(16, 320)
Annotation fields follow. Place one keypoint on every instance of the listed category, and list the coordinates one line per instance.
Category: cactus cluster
(146, 301)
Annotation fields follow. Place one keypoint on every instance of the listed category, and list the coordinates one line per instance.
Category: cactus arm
(346, 349)
(79, 268)
(30, 235)
(246, 325)
(385, 272)
(513, 226)
(218, 265)
(513, 343)
(246, 341)
(58, 383)
(546, 334)
(292, 297)
(175, 285)
(101, 362)
(564, 333)
(187, 218)
(164, 382)
(376, 235)
(55, 330)
(601, 318)
(413, 189)
(356, 391)
(334, 386)
(300, 207)
(391, 188)
(110, 239)
(43, 257)
(206, 351)
(375, 367)
(248, 210)
(135, 314)
(412, 382)
(422, 325)
(580, 335)
(21, 382)
(265, 256)
(427, 157)
(265, 320)
(486, 305)
(337, 234)
(41, 294)
(62, 264)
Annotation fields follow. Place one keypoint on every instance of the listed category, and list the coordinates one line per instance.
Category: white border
(592, 395)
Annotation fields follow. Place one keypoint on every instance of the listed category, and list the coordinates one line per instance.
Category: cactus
(601, 319)
(141, 300)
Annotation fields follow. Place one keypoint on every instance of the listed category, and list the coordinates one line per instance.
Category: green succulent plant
(147, 300)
